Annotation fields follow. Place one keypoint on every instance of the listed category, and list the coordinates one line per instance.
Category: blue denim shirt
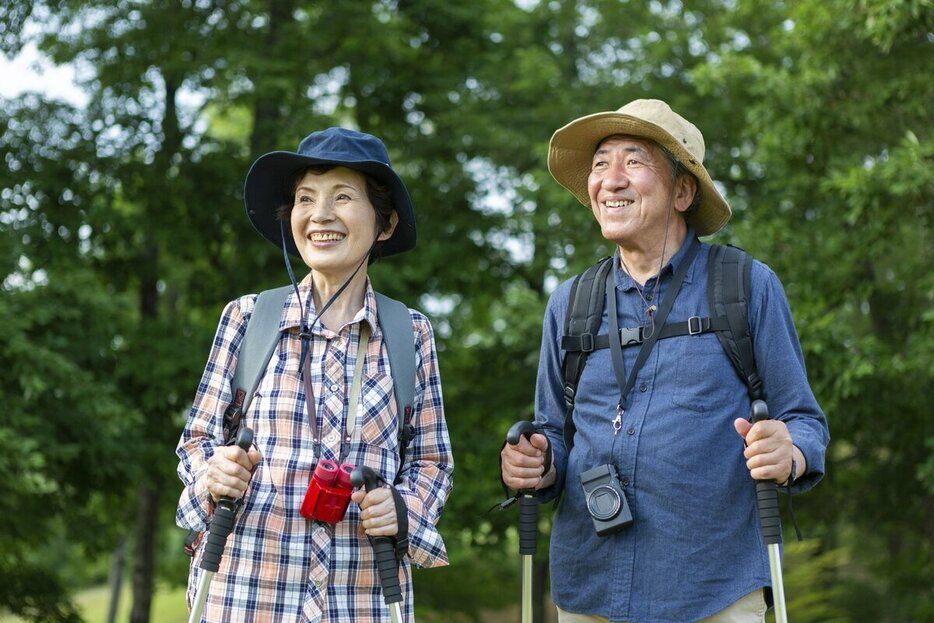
(695, 546)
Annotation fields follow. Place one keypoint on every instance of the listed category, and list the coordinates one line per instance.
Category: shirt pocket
(705, 381)
(379, 432)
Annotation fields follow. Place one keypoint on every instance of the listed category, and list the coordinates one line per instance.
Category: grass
(168, 606)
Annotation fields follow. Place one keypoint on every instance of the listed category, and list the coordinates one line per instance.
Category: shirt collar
(292, 317)
(626, 283)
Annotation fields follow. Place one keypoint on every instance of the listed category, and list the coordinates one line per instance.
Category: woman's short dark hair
(379, 195)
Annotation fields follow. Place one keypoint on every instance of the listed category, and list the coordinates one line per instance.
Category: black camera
(606, 501)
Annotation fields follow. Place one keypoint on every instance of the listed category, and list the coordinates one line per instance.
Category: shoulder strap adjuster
(695, 326)
(587, 342)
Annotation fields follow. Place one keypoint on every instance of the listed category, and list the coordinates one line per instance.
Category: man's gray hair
(677, 170)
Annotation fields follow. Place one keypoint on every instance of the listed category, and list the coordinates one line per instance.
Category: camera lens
(603, 503)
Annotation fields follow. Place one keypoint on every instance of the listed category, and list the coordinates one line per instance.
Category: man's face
(630, 187)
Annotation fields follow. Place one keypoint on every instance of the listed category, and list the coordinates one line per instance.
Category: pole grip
(528, 524)
(384, 549)
(223, 520)
(769, 519)
(528, 505)
(766, 492)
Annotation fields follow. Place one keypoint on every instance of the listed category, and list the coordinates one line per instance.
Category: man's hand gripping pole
(528, 520)
(771, 524)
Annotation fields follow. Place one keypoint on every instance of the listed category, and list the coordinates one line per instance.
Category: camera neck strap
(616, 350)
(353, 399)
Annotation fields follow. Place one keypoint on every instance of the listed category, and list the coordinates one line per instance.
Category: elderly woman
(326, 399)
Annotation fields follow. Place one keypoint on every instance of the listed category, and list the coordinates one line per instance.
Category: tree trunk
(143, 562)
(267, 111)
(116, 579)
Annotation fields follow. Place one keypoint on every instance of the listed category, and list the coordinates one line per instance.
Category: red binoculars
(328, 492)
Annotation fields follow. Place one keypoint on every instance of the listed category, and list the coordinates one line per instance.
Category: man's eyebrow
(629, 148)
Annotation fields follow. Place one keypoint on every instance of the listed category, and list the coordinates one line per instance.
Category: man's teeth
(618, 204)
(325, 237)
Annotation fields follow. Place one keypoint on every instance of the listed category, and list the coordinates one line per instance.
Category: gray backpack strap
(399, 334)
(259, 342)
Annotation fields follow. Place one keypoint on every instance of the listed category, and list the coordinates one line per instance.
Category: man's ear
(393, 221)
(685, 189)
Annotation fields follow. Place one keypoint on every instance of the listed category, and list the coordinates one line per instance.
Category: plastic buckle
(695, 321)
(630, 336)
(586, 342)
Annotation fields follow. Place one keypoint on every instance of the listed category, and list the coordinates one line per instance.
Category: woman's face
(333, 221)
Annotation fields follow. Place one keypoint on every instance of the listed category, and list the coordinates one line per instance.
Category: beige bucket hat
(570, 153)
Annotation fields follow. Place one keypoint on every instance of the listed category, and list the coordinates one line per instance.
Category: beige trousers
(748, 609)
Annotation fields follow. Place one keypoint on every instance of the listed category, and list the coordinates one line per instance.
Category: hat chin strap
(306, 330)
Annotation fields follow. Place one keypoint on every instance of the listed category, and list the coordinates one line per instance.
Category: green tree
(832, 181)
(124, 235)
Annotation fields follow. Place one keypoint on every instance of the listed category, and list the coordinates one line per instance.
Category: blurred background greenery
(123, 235)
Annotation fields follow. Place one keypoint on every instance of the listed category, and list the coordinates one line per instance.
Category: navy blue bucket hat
(269, 183)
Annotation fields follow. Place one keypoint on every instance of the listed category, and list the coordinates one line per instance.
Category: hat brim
(570, 155)
(268, 188)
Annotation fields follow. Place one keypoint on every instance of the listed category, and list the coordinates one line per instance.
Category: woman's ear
(393, 221)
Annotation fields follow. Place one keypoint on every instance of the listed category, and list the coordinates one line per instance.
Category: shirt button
(331, 438)
(631, 431)
(334, 388)
(643, 387)
(625, 482)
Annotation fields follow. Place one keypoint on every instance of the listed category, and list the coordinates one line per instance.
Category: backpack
(260, 341)
(262, 337)
(728, 285)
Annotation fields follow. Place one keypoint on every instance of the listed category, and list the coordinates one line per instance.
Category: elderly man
(667, 428)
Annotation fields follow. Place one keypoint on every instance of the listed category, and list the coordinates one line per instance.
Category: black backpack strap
(585, 311)
(399, 335)
(729, 271)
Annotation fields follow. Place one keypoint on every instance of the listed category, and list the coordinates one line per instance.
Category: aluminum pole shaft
(778, 587)
(204, 584)
(527, 588)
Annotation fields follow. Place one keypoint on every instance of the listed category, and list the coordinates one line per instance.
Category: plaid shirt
(277, 565)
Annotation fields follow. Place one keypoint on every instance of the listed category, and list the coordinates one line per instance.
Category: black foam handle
(528, 524)
(383, 547)
(222, 523)
(766, 493)
(221, 526)
(769, 518)
(387, 564)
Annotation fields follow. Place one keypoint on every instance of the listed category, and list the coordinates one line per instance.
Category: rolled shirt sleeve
(427, 475)
(780, 362)
(204, 430)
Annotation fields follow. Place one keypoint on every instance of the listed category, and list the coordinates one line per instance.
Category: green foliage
(124, 235)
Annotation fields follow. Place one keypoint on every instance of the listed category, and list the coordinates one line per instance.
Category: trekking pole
(771, 523)
(383, 549)
(221, 526)
(528, 522)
